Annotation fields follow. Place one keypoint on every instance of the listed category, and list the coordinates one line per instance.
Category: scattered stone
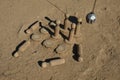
(53, 63)
(44, 31)
(36, 37)
(76, 14)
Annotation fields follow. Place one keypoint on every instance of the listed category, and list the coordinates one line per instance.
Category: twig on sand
(19, 29)
(55, 6)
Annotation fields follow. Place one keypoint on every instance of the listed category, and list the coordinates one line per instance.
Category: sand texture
(100, 41)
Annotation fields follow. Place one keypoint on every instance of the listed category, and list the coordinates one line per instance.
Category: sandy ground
(101, 41)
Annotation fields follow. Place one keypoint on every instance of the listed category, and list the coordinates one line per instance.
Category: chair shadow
(40, 63)
(63, 35)
(73, 19)
(62, 26)
(31, 25)
(75, 52)
(50, 21)
(17, 48)
(48, 60)
(49, 31)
